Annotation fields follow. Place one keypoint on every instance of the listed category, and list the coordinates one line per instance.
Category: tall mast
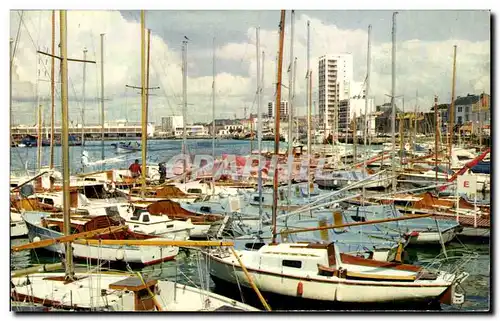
(40, 133)
(184, 102)
(436, 136)
(401, 133)
(290, 107)
(309, 111)
(415, 128)
(277, 122)
(52, 92)
(294, 116)
(144, 122)
(259, 117)
(65, 144)
(83, 96)
(102, 97)
(213, 117)
(451, 132)
(11, 61)
(355, 138)
(39, 114)
(367, 93)
(367, 100)
(393, 97)
(481, 121)
(143, 103)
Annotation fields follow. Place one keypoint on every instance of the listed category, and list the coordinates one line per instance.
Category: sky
(424, 59)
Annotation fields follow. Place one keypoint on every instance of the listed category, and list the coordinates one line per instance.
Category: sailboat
(96, 291)
(321, 272)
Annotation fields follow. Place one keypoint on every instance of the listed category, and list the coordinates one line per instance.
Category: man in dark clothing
(135, 169)
(163, 172)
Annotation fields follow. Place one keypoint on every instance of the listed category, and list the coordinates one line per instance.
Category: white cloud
(421, 65)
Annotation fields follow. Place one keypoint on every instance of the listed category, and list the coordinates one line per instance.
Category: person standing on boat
(162, 169)
(85, 160)
(135, 169)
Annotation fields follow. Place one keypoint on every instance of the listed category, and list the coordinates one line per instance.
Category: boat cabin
(142, 289)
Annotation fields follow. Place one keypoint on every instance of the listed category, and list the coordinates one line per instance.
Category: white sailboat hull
(325, 288)
(200, 230)
(339, 183)
(17, 226)
(144, 255)
(91, 292)
(432, 237)
(18, 229)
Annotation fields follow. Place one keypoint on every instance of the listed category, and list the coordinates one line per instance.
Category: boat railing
(453, 261)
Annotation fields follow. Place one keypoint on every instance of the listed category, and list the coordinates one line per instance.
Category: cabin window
(292, 263)
(55, 228)
(357, 218)
(170, 226)
(256, 199)
(48, 201)
(145, 218)
(83, 212)
(13, 185)
(462, 157)
(254, 246)
(205, 209)
(134, 218)
(194, 191)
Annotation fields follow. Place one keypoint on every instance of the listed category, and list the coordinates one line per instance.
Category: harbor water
(189, 266)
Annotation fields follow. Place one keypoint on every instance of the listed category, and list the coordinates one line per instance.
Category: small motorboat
(129, 147)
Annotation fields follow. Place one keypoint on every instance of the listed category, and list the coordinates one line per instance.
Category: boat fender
(120, 255)
(36, 239)
(300, 289)
(412, 234)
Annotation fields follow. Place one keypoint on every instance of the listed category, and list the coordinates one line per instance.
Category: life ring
(120, 254)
